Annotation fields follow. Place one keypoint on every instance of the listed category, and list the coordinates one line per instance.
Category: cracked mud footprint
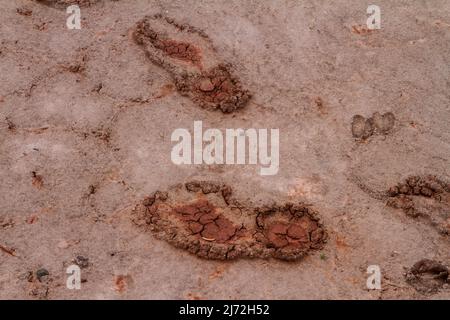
(425, 197)
(203, 218)
(188, 55)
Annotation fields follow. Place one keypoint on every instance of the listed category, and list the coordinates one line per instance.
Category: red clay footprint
(202, 218)
(189, 56)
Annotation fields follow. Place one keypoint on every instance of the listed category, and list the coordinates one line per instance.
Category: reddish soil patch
(122, 283)
(211, 88)
(180, 50)
(203, 218)
(37, 180)
(215, 87)
(361, 29)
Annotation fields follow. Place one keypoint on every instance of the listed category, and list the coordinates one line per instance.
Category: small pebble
(42, 274)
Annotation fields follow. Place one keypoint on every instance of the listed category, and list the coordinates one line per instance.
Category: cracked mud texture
(202, 218)
(427, 276)
(189, 56)
(426, 197)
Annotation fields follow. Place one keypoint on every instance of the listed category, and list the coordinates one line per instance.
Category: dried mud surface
(86, 118)
(202, 218)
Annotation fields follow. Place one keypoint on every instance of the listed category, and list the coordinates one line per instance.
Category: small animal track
(426, 197)
(188, 55)
(203, 218)
(363, 128)
(427, 276)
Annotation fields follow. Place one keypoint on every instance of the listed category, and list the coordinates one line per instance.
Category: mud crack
(187, 54)
(203, 218)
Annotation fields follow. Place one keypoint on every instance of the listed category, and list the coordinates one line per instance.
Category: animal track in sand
(203, 218)
(188, 55)
(363, 128)
(427, 276)
(425, 197)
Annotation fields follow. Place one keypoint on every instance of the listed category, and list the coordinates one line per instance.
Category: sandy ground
(86, 120)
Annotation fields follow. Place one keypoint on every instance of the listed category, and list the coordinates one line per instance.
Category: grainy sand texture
(87, 178)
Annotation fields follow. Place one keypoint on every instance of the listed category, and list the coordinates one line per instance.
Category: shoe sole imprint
(203, 218)
(188, 55)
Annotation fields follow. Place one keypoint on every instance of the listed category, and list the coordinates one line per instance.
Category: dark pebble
(41, 274)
